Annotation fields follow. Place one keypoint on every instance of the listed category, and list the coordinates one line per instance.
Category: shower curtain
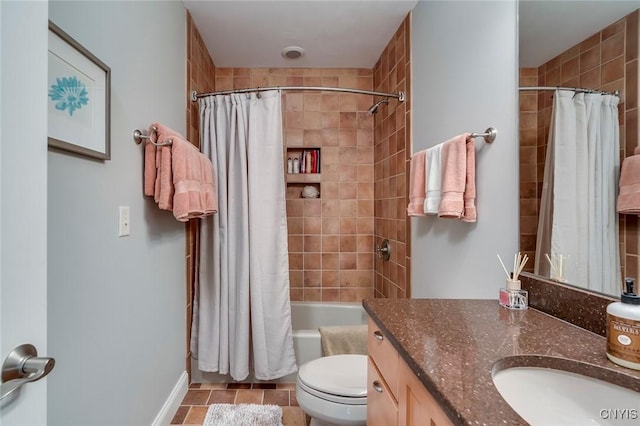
(242, 312)
(578, 219)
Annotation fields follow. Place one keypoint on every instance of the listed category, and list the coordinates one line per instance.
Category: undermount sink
(544, 396)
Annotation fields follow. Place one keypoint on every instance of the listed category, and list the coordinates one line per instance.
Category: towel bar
(138, 137)
(489, 135)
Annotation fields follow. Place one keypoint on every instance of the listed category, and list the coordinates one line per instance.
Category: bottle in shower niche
(623, 328)
(296, 165)
(289, 165)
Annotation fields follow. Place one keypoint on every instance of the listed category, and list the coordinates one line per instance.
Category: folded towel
(470, 214)
(417, 184)
(344, 339)
(454, 177)
(458, 179)
(164, 185)
(195, 193)
(150, 166)
(156, 189)
(629, 196)
(434, 182)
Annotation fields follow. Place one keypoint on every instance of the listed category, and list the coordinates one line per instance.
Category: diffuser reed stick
(504, 267)
(519, 263)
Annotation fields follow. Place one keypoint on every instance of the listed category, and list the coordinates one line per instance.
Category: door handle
(22, 366)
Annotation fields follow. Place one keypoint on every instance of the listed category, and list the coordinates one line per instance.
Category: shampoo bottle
(623, 328)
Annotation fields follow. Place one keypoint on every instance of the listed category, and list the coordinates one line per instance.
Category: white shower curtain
(578, 219)
(242, 312)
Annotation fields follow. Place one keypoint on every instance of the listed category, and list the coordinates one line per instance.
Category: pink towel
(470, 213)
(417, 184)
(629, 196)
(195, 194)
(178, 176)
(458, 179)
(149, 166)
(162, 184)
(164, 181)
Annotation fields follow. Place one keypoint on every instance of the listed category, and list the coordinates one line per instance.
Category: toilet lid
(343, 375)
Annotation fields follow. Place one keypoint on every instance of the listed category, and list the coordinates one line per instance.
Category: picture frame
(79, 98)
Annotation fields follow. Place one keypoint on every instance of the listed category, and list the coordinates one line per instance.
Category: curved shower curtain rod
(400, 95)
(575, 89)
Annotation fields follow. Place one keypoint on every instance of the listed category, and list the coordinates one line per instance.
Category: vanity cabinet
(395, 396)
(416, 406)
(382, 379)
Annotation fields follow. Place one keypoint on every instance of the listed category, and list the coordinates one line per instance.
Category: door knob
(22, 366)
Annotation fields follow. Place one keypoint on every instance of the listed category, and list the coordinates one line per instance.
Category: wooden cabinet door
(416, 406)
(382, 409)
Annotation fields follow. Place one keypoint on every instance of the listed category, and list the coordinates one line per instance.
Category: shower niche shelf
(303, 177)
(313, 163)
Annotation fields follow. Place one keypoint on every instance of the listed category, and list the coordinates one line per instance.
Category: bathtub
(306, 317)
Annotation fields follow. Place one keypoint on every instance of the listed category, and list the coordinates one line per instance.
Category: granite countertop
(453, 346)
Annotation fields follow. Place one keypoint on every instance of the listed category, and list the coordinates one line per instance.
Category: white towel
(433, 169)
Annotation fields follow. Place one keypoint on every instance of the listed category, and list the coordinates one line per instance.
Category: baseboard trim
(172, 403)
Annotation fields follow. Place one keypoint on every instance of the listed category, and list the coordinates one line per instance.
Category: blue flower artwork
(69, 93)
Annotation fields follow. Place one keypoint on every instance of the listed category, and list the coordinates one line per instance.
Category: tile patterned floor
(199, 396)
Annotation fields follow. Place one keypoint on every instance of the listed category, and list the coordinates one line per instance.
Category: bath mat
(243, 415)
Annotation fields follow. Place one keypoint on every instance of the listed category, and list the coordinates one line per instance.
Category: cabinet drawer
(385, 357)
(382, 409)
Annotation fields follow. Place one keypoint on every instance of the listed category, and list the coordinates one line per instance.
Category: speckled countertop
(453, 346)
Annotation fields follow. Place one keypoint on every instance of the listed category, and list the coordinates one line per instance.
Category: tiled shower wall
(392, 154)
(201, 73)
(608, 61)
(330, 237)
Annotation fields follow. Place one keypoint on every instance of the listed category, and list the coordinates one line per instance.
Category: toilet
(332, 390)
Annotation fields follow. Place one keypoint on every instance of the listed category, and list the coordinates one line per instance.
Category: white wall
(464, 78)
(117, 305)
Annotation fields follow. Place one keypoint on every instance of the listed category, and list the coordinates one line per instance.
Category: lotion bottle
(623, 328)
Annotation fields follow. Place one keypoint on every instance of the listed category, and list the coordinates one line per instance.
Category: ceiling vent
(292, 52)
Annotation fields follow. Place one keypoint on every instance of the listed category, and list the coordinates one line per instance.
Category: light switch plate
(124, 224)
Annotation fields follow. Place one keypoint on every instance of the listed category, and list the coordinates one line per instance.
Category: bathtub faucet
(384, 251)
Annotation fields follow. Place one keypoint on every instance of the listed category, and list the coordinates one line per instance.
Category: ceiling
(353, 33)
(334, 34)
(548, 28)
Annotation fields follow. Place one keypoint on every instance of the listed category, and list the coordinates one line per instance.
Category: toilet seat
(338, 378)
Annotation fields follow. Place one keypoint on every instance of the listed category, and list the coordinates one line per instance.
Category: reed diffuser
(512, 296)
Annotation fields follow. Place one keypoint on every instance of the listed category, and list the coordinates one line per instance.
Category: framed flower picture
(78, 94)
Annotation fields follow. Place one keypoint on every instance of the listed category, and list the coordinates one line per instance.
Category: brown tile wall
(530, 174)
(608, 61)
(392, 153)
(201, 72)
(330, 237)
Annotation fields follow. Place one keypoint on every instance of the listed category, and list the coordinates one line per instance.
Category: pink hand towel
(454, 177)
(417, 184)
(629, 196)
(164, 187)
(195, 194)
(149, 166)
(470, 214)
(157, 166)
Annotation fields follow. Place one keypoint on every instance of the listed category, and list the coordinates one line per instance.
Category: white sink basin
(543, 396)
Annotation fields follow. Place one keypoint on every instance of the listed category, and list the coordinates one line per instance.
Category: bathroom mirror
(559, 47)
